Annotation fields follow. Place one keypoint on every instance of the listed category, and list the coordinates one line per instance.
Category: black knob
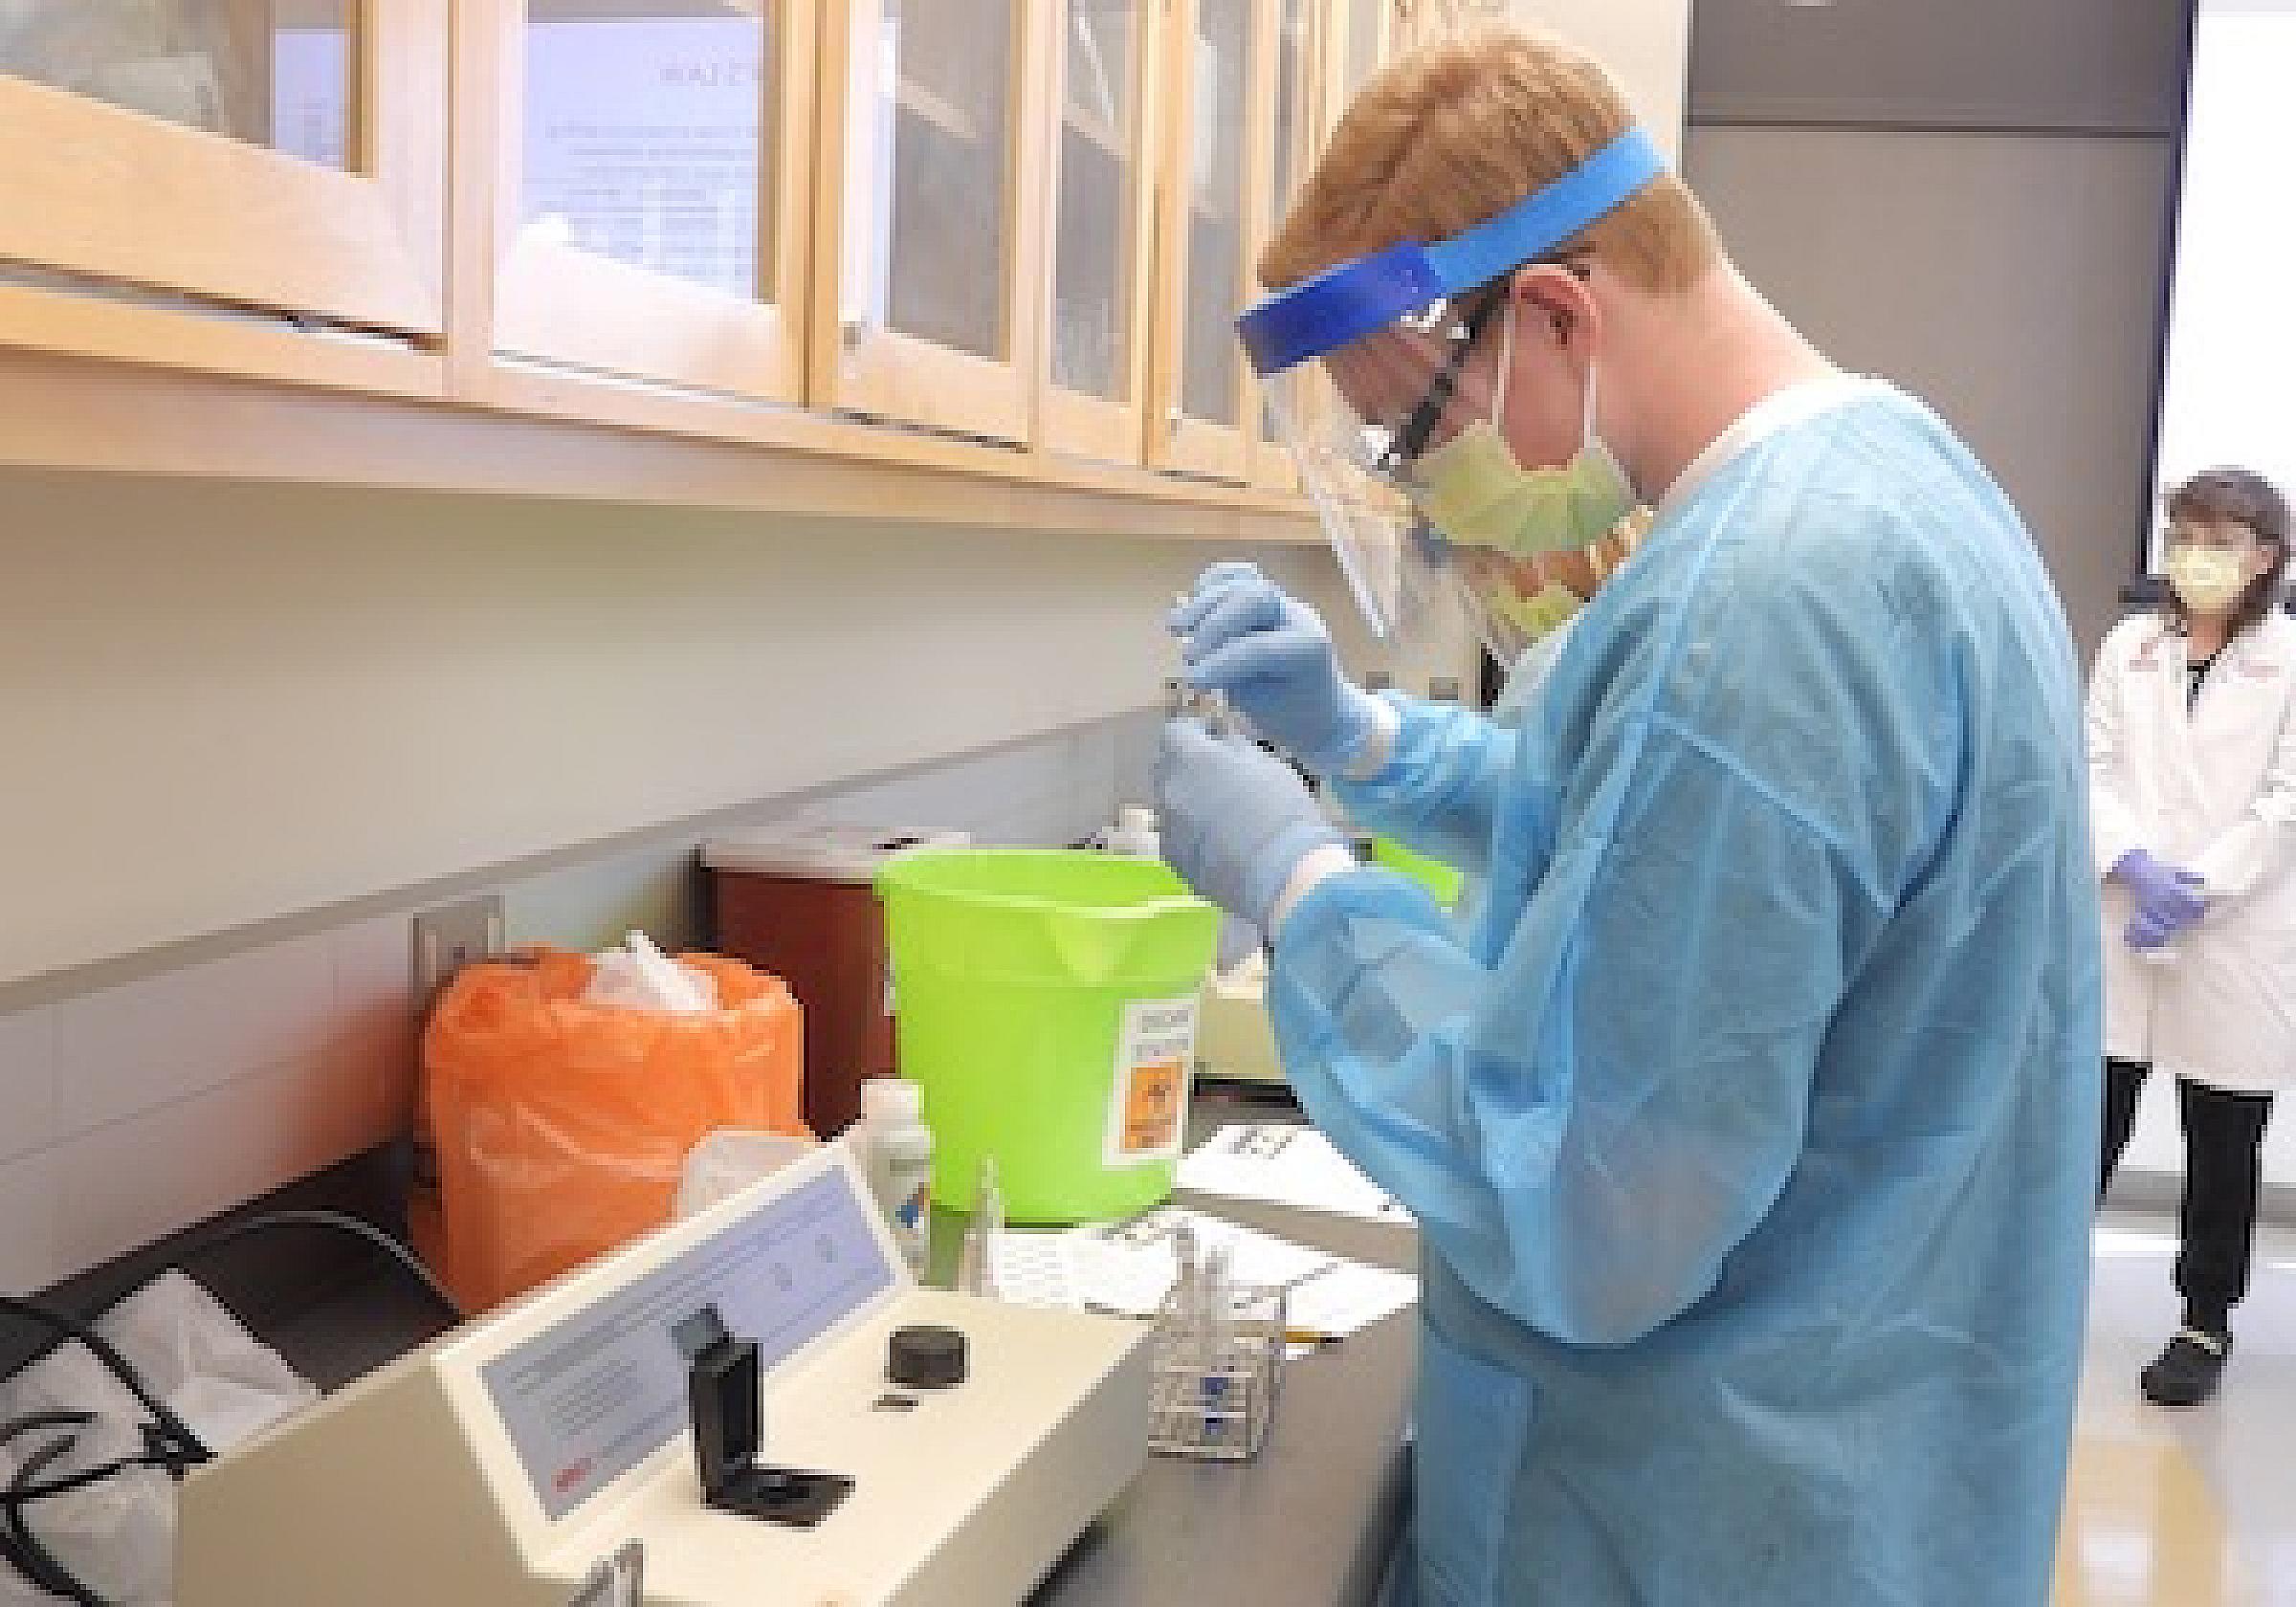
(926, 1355)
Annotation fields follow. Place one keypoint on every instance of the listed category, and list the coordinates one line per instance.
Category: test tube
(976, 1251)
(1177, 1361)
(1183, 1260)
(1216, 1322)
(1183, 701)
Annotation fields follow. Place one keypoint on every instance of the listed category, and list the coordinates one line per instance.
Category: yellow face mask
(2207, 580)
(1476, 495)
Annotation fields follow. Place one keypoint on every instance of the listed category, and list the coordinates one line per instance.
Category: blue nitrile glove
(2167, 900)
(1241, 634)
(1235, 820)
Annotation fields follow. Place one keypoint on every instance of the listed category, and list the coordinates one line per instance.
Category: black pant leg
(2124, 1081)
(2223, 1140)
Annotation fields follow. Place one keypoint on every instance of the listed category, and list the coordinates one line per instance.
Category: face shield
(1386, 378)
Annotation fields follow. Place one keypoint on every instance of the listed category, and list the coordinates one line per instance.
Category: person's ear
(1554, 303)
(2262, 556)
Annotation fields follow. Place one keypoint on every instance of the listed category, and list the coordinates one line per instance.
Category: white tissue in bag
(118, 1536)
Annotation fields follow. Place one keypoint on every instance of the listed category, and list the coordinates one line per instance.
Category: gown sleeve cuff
(1313, 868)
(1378, 744)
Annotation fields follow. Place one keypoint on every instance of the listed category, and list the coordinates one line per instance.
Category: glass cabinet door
(649, 222)
(1102, 212)
(285, 156)
(1206, 407)
(929, 224)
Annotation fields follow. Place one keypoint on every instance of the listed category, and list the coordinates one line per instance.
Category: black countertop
(1313, 1517)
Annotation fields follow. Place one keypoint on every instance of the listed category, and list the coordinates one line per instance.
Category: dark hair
(2245, 499)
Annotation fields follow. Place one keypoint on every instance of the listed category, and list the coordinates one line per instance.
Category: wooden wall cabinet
(886, 248)
(280, 162)
(651, 165)
(929, 224)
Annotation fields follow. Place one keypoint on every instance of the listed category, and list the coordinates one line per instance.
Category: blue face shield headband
(1344, 303)
(1393, 331)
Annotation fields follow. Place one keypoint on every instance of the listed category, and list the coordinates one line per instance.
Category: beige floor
(2191, 1509)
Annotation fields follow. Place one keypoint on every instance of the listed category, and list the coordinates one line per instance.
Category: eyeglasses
(1405, 445)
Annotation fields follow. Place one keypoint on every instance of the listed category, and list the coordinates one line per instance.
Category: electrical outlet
(451, 937)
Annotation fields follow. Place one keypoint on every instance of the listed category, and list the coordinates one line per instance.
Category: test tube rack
(1215, 1394)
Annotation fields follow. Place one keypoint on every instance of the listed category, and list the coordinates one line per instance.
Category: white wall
(244, 730)
(2232, 326)
(1647, 44)
(219, 704)
(132, 1107)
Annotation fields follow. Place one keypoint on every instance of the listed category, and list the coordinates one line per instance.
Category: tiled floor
(2192, 1508)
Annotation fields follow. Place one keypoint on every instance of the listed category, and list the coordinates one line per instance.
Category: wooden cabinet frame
(858, 368)
(463, 357)
(91, 191)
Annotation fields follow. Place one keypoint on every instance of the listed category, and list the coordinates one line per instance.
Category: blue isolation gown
(1751, 1118)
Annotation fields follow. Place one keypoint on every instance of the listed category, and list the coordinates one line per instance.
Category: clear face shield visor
(1385, 377)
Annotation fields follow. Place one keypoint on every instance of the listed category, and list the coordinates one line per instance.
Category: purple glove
(2167, 900)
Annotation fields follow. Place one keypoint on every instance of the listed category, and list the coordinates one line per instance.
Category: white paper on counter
(1075, 1269)
(1286, 1164)
(1129, 1267)
(1034, 1270)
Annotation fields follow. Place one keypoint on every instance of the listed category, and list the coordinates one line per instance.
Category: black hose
(38, 1564)
(341, 1222)
(171, 1444)
(193, 1448)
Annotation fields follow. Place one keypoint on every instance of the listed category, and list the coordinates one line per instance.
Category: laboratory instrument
(526, 1457)
(1234, 1040)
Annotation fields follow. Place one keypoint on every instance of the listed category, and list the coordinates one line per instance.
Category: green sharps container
(1046, 1002)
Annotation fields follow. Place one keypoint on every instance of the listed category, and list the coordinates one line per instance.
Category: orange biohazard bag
(550, 1129)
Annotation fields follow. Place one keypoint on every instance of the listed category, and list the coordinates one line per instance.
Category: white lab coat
(2212, 791)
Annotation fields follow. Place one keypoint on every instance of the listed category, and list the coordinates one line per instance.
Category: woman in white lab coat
(2193, 804)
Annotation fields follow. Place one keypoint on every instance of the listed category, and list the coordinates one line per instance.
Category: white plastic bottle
(898, 1153)
(1133, 834)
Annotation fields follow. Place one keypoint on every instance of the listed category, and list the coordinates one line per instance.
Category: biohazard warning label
(1148, 1104)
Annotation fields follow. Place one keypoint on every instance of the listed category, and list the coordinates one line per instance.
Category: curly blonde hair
(1457, 131)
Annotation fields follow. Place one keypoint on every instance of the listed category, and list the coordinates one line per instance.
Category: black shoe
(2186, 1373)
